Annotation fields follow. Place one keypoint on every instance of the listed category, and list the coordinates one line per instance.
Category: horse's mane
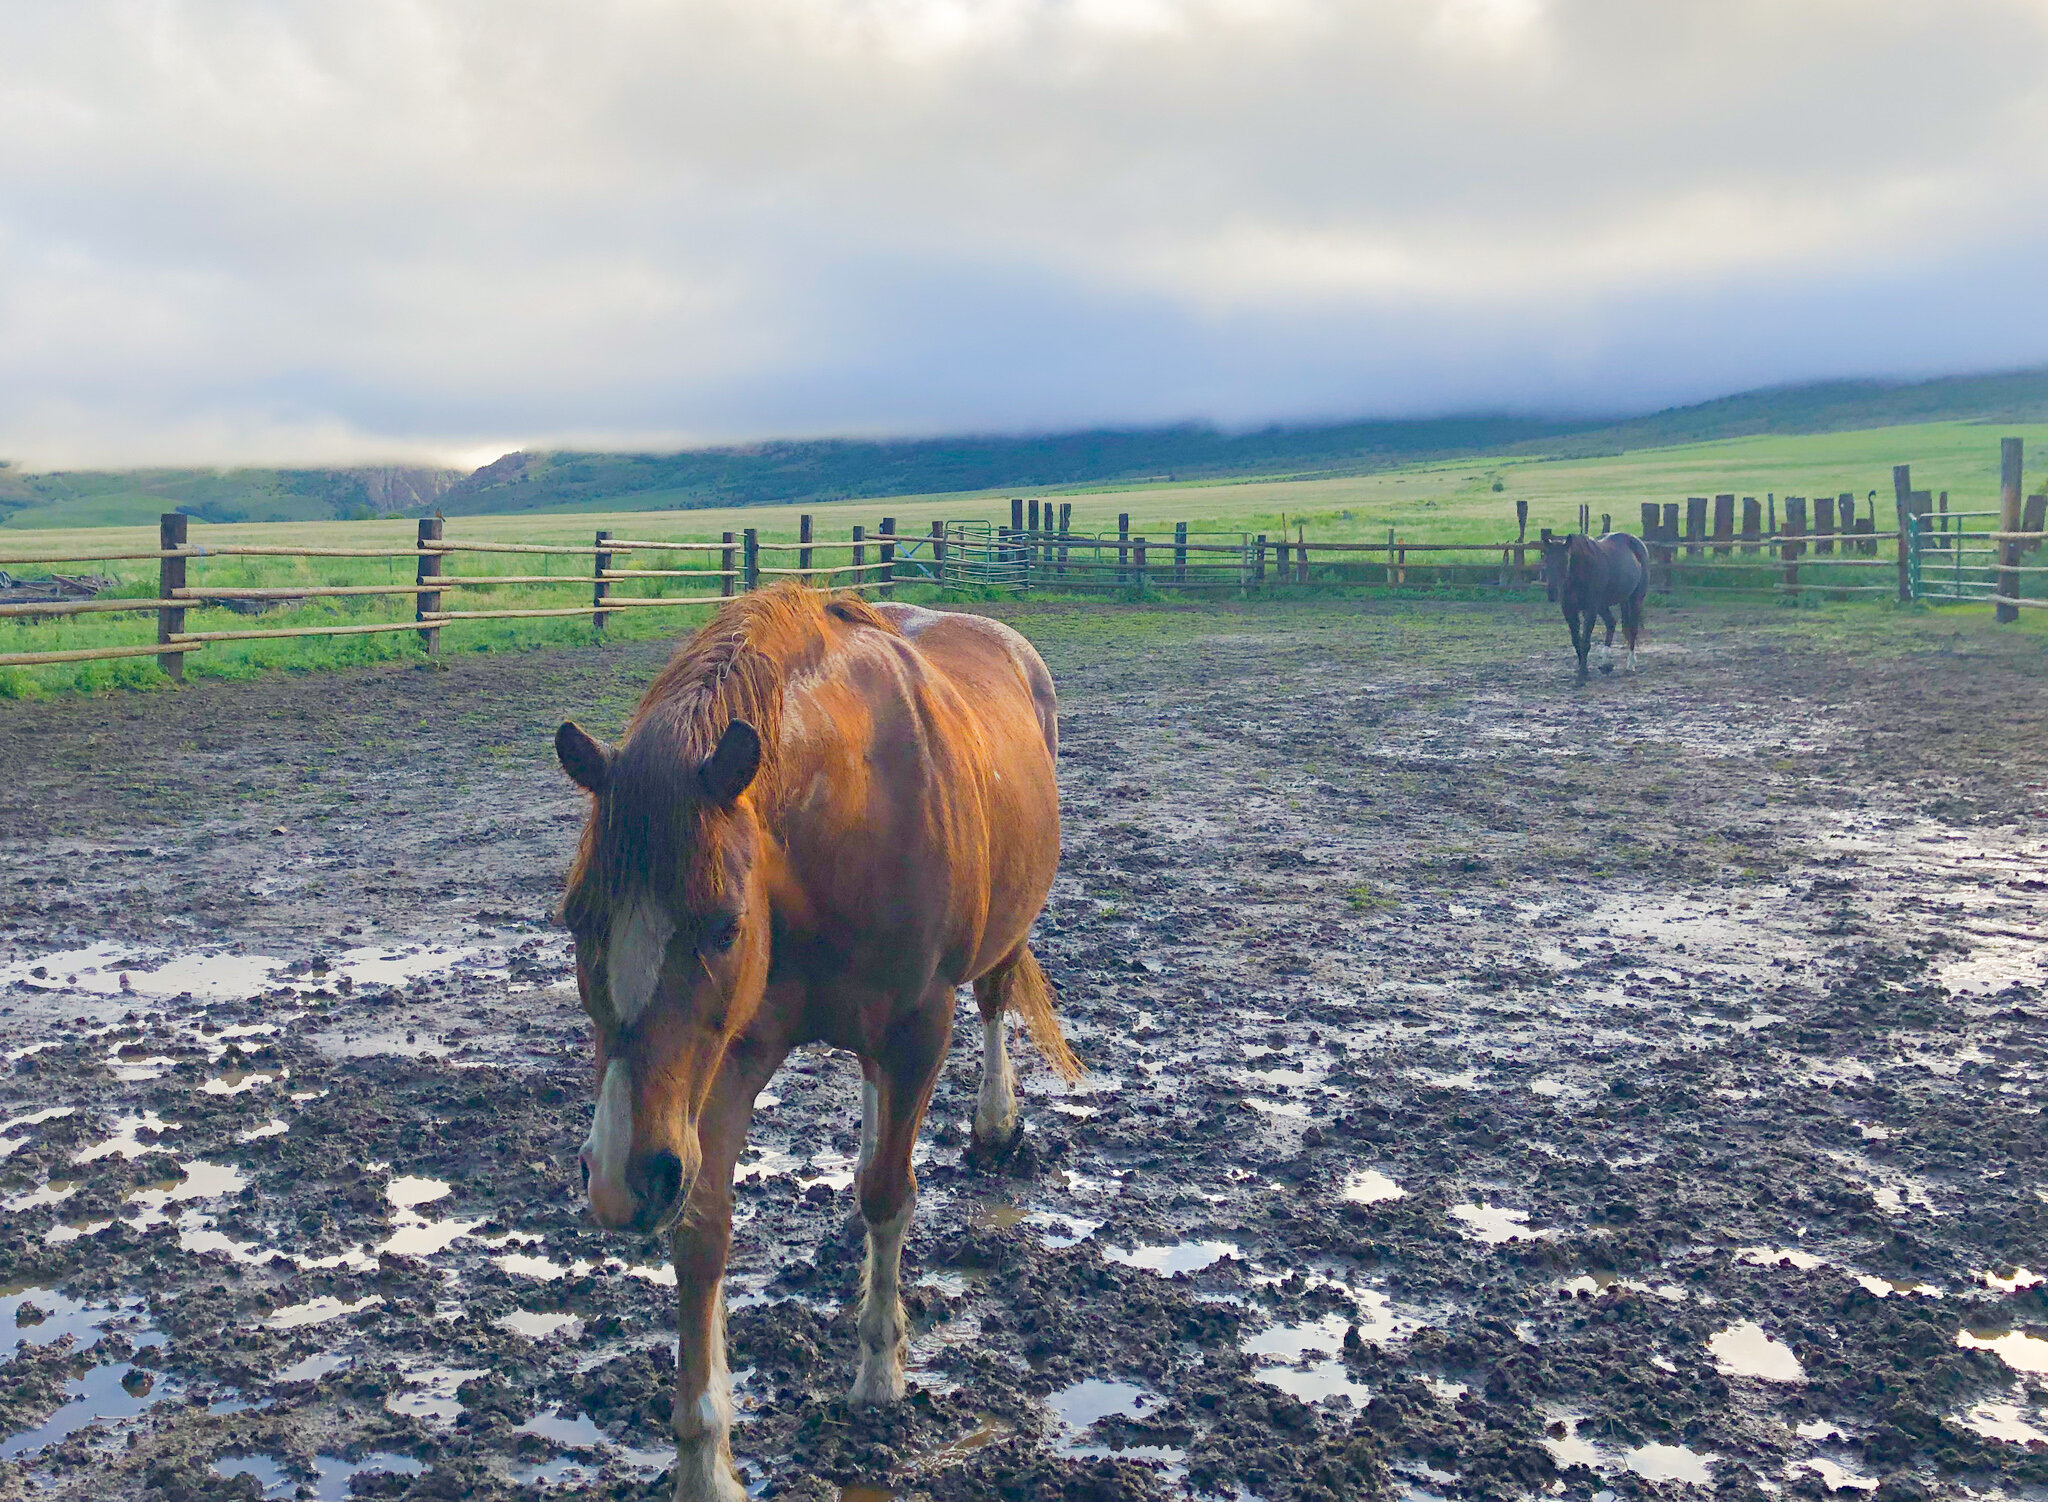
(734, 667)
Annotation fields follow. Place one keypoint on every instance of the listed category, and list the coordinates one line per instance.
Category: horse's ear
(729, 771)
(583, 757)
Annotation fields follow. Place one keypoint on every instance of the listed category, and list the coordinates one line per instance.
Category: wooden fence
(1040, 550)
(739, 565)
(1828, 545)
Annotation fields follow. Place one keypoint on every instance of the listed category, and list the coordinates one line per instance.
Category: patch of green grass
(1363, 899)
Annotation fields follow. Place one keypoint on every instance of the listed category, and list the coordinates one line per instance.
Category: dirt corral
(1498, 1090)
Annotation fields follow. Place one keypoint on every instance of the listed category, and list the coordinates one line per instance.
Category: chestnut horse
(824, 817)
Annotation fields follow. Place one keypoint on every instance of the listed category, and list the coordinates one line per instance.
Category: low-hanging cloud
(304, 232)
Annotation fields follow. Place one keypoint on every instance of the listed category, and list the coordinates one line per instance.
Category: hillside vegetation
(820, 472)
(113, 498)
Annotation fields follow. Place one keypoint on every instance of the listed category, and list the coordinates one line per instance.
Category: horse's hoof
(995, 1152)
(879, 1384)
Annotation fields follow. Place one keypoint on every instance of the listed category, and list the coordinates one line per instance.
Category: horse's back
(1628, 563)
(983, 658)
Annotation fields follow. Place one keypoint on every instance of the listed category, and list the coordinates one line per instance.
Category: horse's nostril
(664, 1179)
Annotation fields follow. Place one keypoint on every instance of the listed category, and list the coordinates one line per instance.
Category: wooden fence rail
(176, 595)
(1770, 549)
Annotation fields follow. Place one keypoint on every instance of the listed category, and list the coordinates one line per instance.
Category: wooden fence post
(428, 599)
(170, 577)
(1066, 526)
(725, 566)
(803, 553)
(1823, 524)
(1521, 531)
(1695, 524)
(1392, 562)
(1283, 570)
(1651, 512)
(750, 559)
(1606, 522)
(1301, 551)
(938, 552)
(1902, 494)
(602, 587)
(1795, 528)
(1123, 548)
(1259, 562)
(1771, 516)
(1724, 525)
(860, 558)
(1752, 525)
(2010, 452)
(1845, 518)
(1180, 552)
(1138, 562)
(887, 532)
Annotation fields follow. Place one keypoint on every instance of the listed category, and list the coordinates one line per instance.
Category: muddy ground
(1498, 1090)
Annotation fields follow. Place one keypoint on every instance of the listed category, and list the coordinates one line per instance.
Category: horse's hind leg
(996, 1122)
(1607, 647)
(903, 1078)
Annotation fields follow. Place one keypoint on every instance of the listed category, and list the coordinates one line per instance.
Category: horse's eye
(720, 933)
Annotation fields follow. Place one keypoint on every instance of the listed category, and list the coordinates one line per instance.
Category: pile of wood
(51, 588)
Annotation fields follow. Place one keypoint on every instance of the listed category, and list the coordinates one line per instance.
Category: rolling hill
(823, 470)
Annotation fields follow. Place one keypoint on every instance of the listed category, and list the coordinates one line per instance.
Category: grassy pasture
(1451, 502)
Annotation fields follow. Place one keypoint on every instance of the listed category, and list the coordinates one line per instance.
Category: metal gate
(1952, 556)
(977, 554)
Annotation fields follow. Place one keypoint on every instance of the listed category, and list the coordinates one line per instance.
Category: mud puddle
(1495, 1091)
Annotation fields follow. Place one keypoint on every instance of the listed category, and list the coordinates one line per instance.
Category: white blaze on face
(611, 1133)
(633, 964)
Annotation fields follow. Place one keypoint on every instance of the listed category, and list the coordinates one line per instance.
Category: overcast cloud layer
(425, 228)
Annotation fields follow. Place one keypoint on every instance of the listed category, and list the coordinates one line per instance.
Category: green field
(1431, 502)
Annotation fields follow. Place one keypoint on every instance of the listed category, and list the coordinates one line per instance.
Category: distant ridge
(96, 498)
(832, 469)
(1835, 407)
(835, 469)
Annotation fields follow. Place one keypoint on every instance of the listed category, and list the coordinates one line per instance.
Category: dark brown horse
(824, 817)
(1591, 576)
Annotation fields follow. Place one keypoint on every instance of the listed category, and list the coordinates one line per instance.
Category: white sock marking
(995, 1107)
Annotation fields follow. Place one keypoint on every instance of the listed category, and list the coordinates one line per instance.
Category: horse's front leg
(904, 1073)
(1582, 639)
(1607, 647)
(699, 1243)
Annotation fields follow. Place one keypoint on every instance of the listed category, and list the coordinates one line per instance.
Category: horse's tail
(1022, 987)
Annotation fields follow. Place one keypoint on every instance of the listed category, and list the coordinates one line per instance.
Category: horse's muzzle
(645, 1198)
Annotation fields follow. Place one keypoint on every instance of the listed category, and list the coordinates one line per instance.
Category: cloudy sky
(303, 232)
